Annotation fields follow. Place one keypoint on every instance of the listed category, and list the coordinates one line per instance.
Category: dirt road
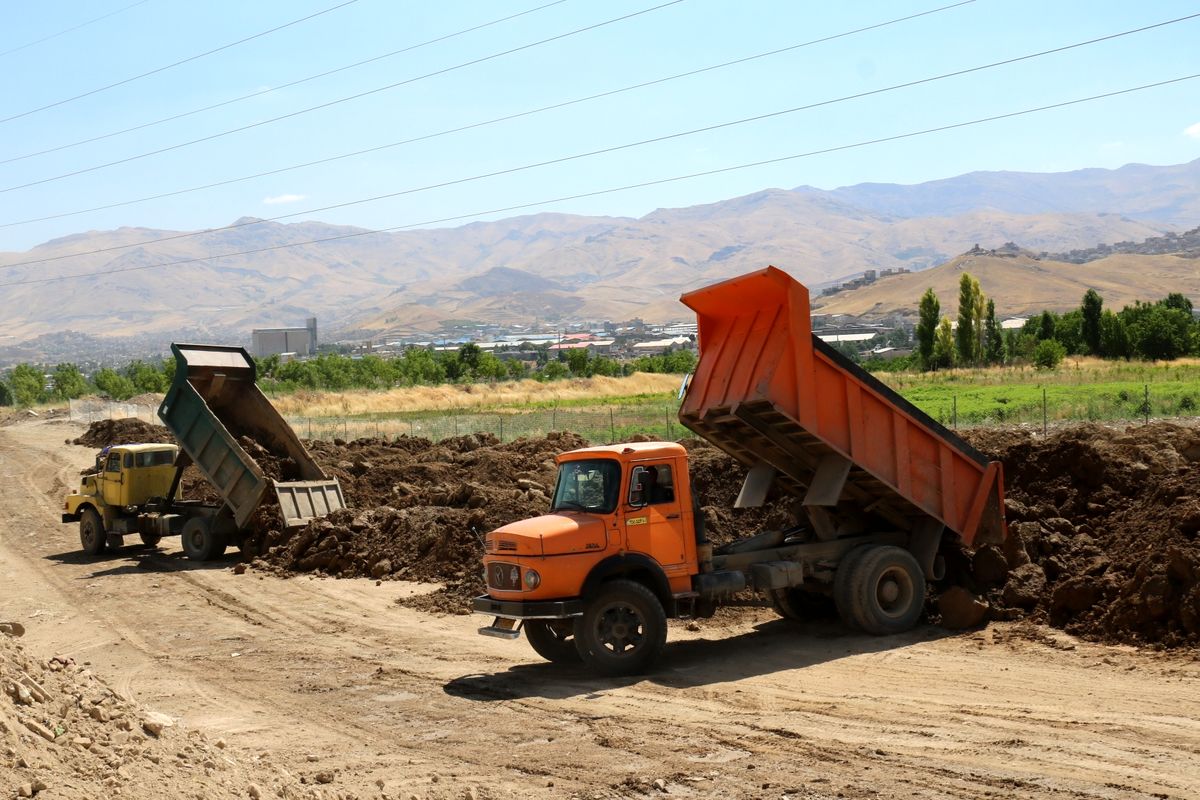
(331, 675)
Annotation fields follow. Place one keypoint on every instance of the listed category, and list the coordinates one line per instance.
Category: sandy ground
(330, 675)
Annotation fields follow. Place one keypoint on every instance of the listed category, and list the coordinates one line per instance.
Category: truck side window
(114, 463)
(651, 485)
(128, 460)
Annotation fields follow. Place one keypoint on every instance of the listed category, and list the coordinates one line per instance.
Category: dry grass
(450, 397)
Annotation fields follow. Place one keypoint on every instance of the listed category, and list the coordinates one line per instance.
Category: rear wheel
(799, 604)
(842, 597)
(553, 640)
(91, 532)
(151, 539)
(887, 590)
(200, 541)
(622, 630)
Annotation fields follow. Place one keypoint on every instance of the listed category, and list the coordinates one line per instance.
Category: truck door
(112, 479)
(655, 525)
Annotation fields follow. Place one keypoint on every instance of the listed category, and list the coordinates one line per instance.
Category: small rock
(1025, 586)
(221, 743)
(254, 792)
(324, 776)
(154, 723)
(311, 758)
(660, 784)
(693, 626)
(381, 568)
(239, 569)
(25, 790)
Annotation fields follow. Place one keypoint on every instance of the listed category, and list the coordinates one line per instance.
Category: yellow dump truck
(213, 402)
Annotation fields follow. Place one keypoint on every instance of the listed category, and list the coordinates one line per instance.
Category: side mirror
(637, 498)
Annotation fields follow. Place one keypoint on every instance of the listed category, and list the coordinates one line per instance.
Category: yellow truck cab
(110, 498)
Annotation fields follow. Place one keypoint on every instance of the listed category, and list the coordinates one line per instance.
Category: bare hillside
(1024, 285)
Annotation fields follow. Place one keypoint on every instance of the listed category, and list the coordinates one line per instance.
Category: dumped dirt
(110, 432)
(1102, 532)
(66, 733)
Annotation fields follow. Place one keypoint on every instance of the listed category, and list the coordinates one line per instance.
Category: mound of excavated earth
(64, 733)
(107, 432)
(1102, 532)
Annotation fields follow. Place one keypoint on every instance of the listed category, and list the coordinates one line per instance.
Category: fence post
(612, 426)
(501, 418)
(554, 418)
(1146, 404)
(410, 429)
(456, 424)
(954, 417)
(1044, 412)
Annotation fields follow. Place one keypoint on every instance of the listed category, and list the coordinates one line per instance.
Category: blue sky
(1148, 127)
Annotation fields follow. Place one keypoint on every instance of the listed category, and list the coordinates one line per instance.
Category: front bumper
(521, 609)
(70, 517)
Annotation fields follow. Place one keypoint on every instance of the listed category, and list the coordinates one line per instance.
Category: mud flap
(503, 628)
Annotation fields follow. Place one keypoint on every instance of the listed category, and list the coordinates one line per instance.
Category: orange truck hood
(549, 535)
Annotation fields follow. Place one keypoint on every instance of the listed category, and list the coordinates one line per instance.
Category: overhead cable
(627, 187)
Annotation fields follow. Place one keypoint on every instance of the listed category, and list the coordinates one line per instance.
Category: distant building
(276, 341)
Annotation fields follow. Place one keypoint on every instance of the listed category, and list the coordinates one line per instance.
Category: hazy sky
(1158, 126)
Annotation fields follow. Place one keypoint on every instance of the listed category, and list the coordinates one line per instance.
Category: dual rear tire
(201, 539)
(880, 590)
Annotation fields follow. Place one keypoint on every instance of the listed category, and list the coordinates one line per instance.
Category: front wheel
(200, 541)
(91, 532)
(622, 630)
(552, 640)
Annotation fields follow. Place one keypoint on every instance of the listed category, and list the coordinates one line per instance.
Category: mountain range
(559, 267)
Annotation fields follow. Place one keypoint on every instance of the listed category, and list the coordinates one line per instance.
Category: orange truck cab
(882, 485)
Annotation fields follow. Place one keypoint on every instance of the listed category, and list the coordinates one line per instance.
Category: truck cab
(111, 496)
(621, 514)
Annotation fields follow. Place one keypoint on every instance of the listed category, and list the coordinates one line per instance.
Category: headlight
(532, 579)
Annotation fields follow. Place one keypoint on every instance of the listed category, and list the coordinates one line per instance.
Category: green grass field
(1081, 390)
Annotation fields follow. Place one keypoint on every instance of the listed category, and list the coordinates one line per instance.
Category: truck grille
(503, 576)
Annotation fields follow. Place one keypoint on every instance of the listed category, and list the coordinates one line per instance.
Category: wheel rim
(620, 629)
(195, 540)
(89, 534)
(894, 592)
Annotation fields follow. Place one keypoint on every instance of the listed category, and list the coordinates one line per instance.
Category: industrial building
(277, 341)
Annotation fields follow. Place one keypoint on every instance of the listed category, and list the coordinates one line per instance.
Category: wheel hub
(620, 628)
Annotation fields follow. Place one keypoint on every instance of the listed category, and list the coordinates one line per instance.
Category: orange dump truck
(623, 549)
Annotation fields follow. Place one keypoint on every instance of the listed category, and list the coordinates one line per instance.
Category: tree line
(1159, 331)
(28, 385)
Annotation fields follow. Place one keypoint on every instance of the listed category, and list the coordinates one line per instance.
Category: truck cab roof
(142, 448)
(630, 450)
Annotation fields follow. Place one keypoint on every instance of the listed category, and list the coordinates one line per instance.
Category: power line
(288, 85)
(644, 184)
(174, 64)
(343, 99)
(591, 153)
(493, 121)
(65, 31)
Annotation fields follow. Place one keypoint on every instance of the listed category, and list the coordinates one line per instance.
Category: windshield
(593, 485)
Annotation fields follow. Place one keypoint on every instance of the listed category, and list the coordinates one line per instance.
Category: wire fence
(596, 426)
(1034, 407)
(89, 409)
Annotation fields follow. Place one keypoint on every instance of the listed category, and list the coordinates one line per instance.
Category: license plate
(504, 576)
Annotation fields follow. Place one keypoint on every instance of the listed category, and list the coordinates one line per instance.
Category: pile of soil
(65, 733)
(1102, 532)
(418, 510)
(109, 432)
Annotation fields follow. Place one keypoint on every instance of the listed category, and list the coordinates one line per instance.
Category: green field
(1079, 390)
